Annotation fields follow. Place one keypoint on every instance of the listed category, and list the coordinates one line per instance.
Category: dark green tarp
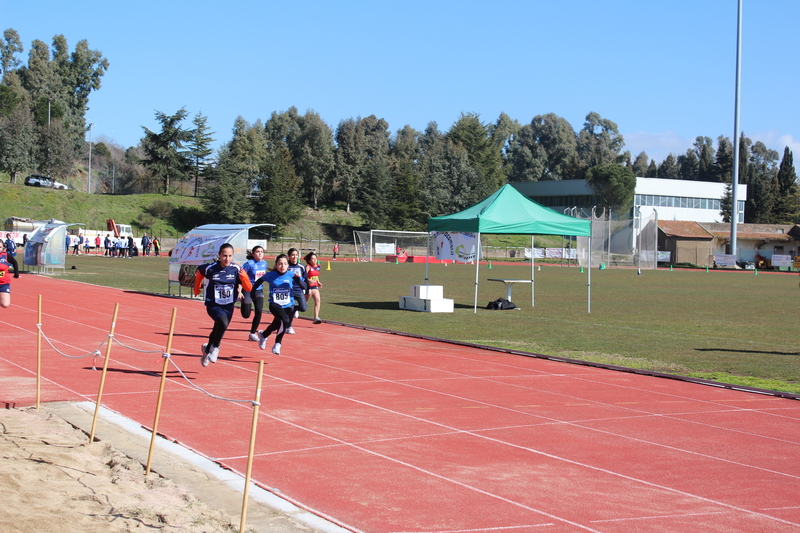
(510, 212)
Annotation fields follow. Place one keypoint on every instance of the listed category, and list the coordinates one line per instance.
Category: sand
(53, 480)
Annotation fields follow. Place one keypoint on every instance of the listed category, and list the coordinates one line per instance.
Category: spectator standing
(156, 246)
(107, 244)
(11, 246)
(145, 245)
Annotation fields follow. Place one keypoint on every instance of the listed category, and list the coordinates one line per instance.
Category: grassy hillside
(155, 213)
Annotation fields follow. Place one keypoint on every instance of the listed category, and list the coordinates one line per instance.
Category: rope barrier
(214, 396)
(97, 353)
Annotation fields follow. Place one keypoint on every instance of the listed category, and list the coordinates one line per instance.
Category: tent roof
(509, 212)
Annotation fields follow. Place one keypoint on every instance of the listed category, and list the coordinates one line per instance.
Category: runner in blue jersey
(281, 302)
(298, 291)
(255, 268)
(224, 278)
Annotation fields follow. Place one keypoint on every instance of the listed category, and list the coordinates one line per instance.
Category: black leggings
(280, 321)
(222, 317)
(258, 306)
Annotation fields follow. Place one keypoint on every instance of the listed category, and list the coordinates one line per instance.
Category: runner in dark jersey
(224, 278)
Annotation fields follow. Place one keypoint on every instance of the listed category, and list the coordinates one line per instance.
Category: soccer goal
(385, 242)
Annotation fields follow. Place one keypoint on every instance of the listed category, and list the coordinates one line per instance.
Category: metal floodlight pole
(89, 184)
(735, 177)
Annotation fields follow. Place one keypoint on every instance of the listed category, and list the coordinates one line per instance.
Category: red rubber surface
(383, 433)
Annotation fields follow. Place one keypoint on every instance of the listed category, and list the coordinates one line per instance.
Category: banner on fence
(452, 246)
(781, 260)
(198, 249)
(384, 248)
(725, 260)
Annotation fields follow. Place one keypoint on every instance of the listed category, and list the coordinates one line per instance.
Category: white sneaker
(277, 348)
(213, 353)
(291, 331)
(262, 340)
(253, 337)
(317, 320)
(204, 360)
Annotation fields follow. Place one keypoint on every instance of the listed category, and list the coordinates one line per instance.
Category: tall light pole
(89, 185)
(735, 176)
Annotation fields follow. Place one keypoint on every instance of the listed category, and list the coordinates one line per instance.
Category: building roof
(752, 232)
(684, 229)
(744, 232)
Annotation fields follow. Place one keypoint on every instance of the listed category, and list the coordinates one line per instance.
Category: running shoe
(290, 331)
(262, 340)
(277, 348)
(204, 360)
(253, 337)
(317, 320)
(213, 353)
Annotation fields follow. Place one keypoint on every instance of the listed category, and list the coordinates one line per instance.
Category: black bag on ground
(500, 304)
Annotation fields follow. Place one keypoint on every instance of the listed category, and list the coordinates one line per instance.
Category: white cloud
(656, 145)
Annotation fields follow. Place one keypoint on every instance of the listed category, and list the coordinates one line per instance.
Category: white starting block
(428, 299)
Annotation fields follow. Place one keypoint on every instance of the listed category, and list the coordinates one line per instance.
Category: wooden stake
(39, 354)
(252, 446)
(164, 368)
(105, 370)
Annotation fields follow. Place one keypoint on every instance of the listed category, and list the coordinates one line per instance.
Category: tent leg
(477, 269)
(533, 256)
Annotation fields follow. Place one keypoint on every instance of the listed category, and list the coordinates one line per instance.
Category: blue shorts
(5, 287)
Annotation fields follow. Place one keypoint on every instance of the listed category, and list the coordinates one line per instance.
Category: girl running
(314, 284)
(281, 302)
(255, 268)
(222, 291)
(298, 293)
(6, 260)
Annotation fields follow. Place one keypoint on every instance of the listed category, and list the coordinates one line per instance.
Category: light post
(89, 185)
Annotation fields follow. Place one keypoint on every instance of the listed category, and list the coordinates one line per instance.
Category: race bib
(223, 294)
(260, 273)
(282, 297)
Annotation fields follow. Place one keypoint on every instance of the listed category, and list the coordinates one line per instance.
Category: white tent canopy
(200, 246)
(47, 247)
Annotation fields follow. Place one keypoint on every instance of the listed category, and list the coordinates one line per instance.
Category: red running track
(382, 433)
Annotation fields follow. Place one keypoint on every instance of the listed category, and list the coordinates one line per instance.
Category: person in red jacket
(6, 261)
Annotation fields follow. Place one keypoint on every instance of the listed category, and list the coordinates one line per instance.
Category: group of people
(286, 288)
(126, 246)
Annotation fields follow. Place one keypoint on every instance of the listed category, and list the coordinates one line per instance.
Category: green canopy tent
(509, 212)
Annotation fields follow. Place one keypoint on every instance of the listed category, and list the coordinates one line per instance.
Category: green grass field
(734, 327)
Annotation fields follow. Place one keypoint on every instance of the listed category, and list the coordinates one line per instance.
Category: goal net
(621, 242)
(378, 242)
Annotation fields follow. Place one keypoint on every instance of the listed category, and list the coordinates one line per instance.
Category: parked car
(37, 180)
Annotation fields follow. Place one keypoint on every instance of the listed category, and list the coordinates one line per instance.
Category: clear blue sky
(663, 70)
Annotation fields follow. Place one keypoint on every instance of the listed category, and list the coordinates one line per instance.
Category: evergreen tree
(599, 142)
(165, 156)
(723, 163)
(668, 169)
(761, 188)
(278, 200)
(688, 165)
(55, 155)
(484, 154)
(639, 167)
(614, 185)
(200, 148)
(17, 142)
(652, 169)
(787, 205)
(704, 149)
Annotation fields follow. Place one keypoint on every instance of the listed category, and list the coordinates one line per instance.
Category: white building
(696, 201)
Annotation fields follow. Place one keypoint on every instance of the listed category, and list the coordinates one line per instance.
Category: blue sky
(663, 71)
